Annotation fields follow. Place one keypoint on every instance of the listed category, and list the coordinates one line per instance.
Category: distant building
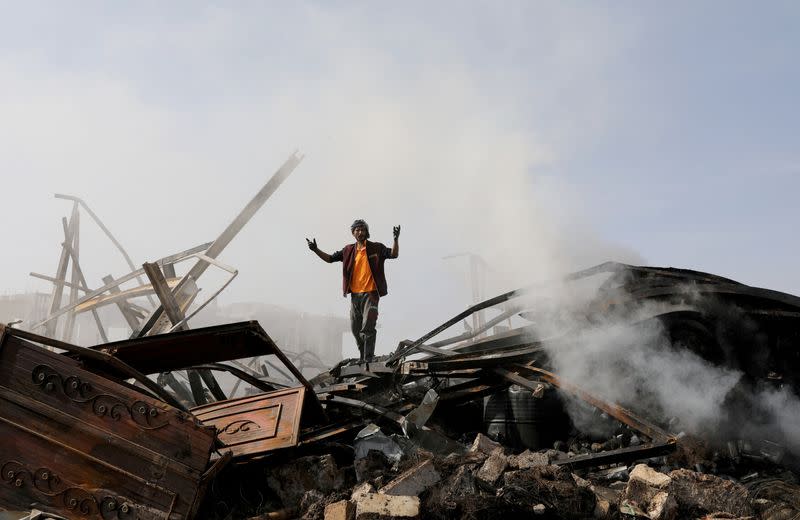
(28, 307)
(32, 308)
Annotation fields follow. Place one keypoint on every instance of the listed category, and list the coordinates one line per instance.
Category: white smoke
(632, 362)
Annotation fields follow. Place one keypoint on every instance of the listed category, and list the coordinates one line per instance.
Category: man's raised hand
(312, 244)
(396, 232)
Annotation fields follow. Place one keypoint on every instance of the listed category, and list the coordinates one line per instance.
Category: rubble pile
(427, 430)
(487, 480)
(219, 423)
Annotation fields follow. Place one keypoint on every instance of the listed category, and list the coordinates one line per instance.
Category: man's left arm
(396, 245)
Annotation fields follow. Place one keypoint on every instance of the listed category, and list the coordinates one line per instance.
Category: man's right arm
(312, 245)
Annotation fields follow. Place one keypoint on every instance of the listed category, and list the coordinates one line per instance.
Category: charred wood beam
(629, 454)
(165, 296)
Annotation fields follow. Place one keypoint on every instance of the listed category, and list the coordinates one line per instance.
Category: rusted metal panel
(254, 425)
(81, 445)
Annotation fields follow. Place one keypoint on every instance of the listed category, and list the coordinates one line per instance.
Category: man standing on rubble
(363, 277)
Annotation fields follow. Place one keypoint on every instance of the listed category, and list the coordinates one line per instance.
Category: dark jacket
(377, 253)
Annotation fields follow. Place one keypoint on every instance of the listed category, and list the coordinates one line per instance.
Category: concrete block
(414, 481)
(341, 510)
(375, 506)
(651, 491)
(485, 445)
(492, 469)
(528, 459)
(648, 476)
(643, 485)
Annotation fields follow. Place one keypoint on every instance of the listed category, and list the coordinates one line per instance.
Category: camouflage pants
(363, 317)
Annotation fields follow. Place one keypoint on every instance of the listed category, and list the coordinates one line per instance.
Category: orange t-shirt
(362, 280)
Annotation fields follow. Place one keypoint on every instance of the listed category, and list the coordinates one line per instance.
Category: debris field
(218, 422)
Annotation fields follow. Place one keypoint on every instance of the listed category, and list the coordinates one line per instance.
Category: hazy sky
(545, 136)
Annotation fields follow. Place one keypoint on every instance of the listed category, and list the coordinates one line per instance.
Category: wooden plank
(162, 290)
(69, 327)
(61, 274)
(122, 305)
(76, 266)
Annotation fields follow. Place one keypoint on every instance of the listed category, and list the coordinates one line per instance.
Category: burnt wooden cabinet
(85, 446)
